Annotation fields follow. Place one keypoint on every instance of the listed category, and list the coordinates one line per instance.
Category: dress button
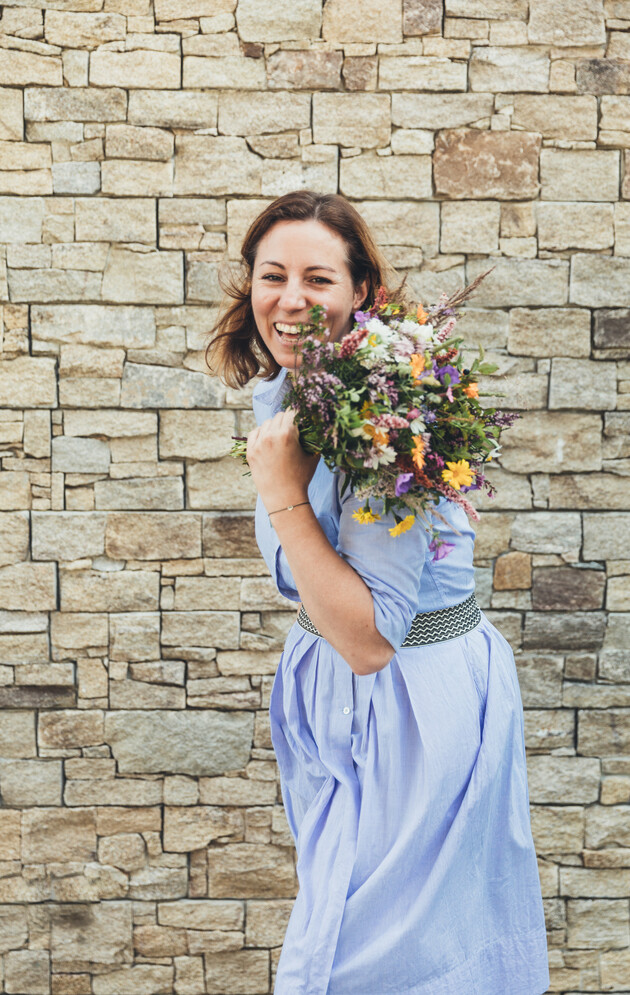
(346, 710)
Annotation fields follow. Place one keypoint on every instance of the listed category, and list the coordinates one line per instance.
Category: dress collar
(270, 393)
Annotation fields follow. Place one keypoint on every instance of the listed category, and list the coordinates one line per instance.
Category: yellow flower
(402, 526)
(381, 438)
(365, 515)
(418, 451)
(373, 339)
(417, 364)
(458, 474)
(366, 410)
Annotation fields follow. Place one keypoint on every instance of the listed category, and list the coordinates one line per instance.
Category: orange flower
(381, 438)
(369, 430)
(421, 315)
(366, 410)
(417, 364)
(472, 390)
(418, 451)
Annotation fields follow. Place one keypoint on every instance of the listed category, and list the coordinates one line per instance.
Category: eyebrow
(272, 262)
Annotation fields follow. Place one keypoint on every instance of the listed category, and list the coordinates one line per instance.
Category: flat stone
(215, 166)
(83, 30)
(597, 491)
(568, 225)
(612, 328)
(118, 591)
(65, 535)
(521, 282)
(579, 174)
(40, 286)
(139, 69)
(540, 679)
(143, 277)
(229, 535)
(231, 72)
(351, 119)
(51, 696)
(139, 494)
(11, 115)
(556, 22)
(17, 735)
(115, 220)
(514, 67)
(76, 177)
(58, 103)
(603, 731)
(249, 870)
(293, 20)
(15, 491)
(194, 827)
(603, 281)
(404, 222)
(219, 486)
(238, 970)
(402, 176)
(102, 325)
(198, 593)
(27, 971)
(141, 979)
(575, 779)
(201, 914)
(14, 537)
(205, 742)
(568, 589)
(110, 423)
(21, 219)
(599, 76)
(201, 628)
(55, 835)
(27, 68)
(597, 923)
(549, 332)
(71, 631)
(421, 72)
(607, 826)
(284, 175)
(422, 17)
(152, 535)
(199, 435)
(500, 10)
(269, 113)
(134, 636)
(29, 783)
(176, 109)
(91, 934)
(267, 922)
(470, 226)
(564, 630)
(596, 384)
(146, 386)
(474, 165)
(124, 141)
(304, 70)
(513, 571)
(566, 118)
(177, 10)
(435, 111)
(76, 455)
(27, 382)
(605, 535)
(13, 922)
(32, 584)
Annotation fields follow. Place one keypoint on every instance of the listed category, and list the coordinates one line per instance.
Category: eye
(321, 279)
(271, 276)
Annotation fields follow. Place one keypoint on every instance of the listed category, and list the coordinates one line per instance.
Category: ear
(360, 294)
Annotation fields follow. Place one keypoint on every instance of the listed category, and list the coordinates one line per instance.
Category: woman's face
(299, 264)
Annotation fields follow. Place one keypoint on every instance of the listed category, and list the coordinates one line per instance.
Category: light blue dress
(405, 790)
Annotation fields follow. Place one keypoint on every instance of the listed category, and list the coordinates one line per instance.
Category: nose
(292, 296)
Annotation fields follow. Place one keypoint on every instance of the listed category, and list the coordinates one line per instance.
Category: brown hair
(237, 352)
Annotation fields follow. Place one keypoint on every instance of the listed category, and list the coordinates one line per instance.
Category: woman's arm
(337, 599)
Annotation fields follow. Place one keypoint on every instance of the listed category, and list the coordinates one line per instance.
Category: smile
(290, 333)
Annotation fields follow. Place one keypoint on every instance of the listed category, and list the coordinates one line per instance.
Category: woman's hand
(280, 468)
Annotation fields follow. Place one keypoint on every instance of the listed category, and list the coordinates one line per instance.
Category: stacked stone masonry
(143, 844)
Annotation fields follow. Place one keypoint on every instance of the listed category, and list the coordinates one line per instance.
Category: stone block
(76, 177)
(86, 934)
(269, 113)
(444, 110)
(422, 17)
(421, 72)
(348, 21)
(606, 536)
(229, 535)
(45, 285)
(564, 630)
(501, 10)
(73, 631)
(10, 849)
(134, 636)
(194, 827)
(267, 922)
(150, 277)
(230, 72)
(508, 69)
(27, 382)
(138, 69)
(549, 332)
(607, 826)
(199, 743)
(201, 628)
(70, 29)
(582, 383)
(566, 118)
(603, 731)
(574, 779)
(29, 783)
(351, 119)
(219, 486)
(92, 324)
(14, 537)
(472, 165)
(557, 829)
(145, 386)
(594, 491)
(37, 434)
(304, 70)
(599, 76)
(125, 141)
(140, 494)
(13, 925)
(21, 219)
(56, 835)
(177, 10)
(76, 455)
(27, 68)
(614, 968)
(228, 972)
(470, 226)
(600, 281)
(405, 222)
(58, 103)
(110, 423)
(64, 535)
(27, 971)
(152, 536)
(615, 121)
(199, 435)
(513, 571)
(11, 115)
(106, 219)
(568, 589)
(597, 923)
(236, 791)
(293, 20)
(15, 491)
(17, 735)
(118, 591)
(521, 282)
(550, 442)
(215, 166)
(404, 176)
(569, 225)
(251, 870)
(554, 22)
(618, 594)
(547, 532)
(177, 109)
(579, 174)
(318, 173)
(32, 584)
(201, 914)
(209, 593)
(141, 979)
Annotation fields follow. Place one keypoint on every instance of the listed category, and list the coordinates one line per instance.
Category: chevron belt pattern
(428, 627)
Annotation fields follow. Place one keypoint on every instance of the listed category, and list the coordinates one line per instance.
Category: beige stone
(604, 535)
(143, 277)
(499, 9)
(209, 593)
(320, 173)
(508, 69)
(79, 630)
(201, 628)
(202, 914)
(14, 537)
(549, 332)
(351, 119)
(347, 22)
(374, 176)
(557, 22)
(26, 68)
(570, 225)
(93, 324)
(193, 827)
(207, 165)
(562, 117)
(269, 112)
(11, 115)
(470, 226)
(137, 177)
(558, 829)
(422, 17)
(199, 435)
(219, 485)
(50, 835)
(74, 104)
(139, 494)
(404, 222)
(28, 382)
(521, 282)
(304, 70)
(31, 584)
(513, 571)
(139, 69)
(233, 971)
(30, 783)
(596, 923)
(125, 850)
(27, 971)
(552, 442)
(436, 111)
(600, 281)
(152, 535)
(15, 491)
(120, 591)
(420, 72)
(141, 979)
(176, 109)
(125, 141)
(10, 849)
(615, 121)
(292, 20)
(70, 29)
(21, 220)
(231, 72)
(64, 535)
(595, 383)
(17, 734)
(590, 175)
(134, 636)
(175, 10)
(249, 870)
(478, 164)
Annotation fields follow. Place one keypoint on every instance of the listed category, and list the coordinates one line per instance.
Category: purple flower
(404, 482)
(440, 548)
(430, 416)
(361, 317)
(441, 371)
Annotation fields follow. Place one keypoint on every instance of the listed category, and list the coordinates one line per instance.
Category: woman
(402, 758)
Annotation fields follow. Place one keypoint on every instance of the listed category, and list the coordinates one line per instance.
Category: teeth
(288, 329)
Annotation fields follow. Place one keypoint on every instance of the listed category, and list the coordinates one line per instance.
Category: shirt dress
(405, 790)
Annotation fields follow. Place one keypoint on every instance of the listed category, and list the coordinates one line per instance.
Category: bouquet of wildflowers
(392, 407)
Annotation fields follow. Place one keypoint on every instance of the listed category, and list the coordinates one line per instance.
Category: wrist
(282, 499)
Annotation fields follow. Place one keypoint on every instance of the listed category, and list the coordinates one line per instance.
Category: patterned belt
(428, 627)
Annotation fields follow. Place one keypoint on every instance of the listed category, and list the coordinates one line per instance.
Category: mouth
(292, 333)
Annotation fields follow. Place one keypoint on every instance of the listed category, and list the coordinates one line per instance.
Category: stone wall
(143, 845)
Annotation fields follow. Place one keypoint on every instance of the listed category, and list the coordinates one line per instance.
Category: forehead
(302, 243)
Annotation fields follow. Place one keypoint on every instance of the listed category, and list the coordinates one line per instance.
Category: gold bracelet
(289, 507)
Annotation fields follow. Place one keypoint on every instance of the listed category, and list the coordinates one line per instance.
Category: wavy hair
(237, 351)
